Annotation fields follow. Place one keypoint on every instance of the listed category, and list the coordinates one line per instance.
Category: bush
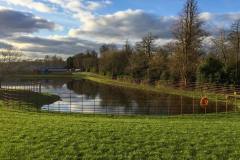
(212, 71)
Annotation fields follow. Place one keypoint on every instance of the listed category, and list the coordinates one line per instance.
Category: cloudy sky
(66, 27)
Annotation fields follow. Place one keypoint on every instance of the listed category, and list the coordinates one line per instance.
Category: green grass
(31, 100)
(32, 135)
(40, 135)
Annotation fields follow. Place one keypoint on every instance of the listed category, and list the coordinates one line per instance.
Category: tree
(9, 59)
(234, 38)
(189, 35)
(146, 45)
(70, 64)
(113, 63)
(127, 48)
(212, 70)
(158, 68)
(10, 55)
(87, 61)
(221, 47)
(53, 61)
(107, 47)
(138, 66)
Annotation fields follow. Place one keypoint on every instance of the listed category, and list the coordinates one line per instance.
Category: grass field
(37, 135)
(32, 135)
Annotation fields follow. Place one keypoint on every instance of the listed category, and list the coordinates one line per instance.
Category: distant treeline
(184, 59)
(13, 62)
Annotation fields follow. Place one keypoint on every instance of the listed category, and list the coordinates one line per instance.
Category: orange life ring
(204, 102)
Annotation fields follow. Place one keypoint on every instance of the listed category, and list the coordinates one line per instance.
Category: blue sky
(66, 27)
(173, 7)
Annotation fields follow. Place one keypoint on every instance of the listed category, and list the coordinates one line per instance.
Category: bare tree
(221, 46)
(148, 44)
(10, 55)
(189, 34)
(234, 38)
(8, 60)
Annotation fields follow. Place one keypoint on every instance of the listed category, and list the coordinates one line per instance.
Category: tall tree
(234, 38)
(189, 34)
(127, 48)
(70, 63)
(221, 47)
(148, 43)
(146, 46)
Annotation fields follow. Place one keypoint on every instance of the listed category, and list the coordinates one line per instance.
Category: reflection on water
(89, 97)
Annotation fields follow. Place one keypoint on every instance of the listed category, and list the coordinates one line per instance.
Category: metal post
(216, 104)
(235, 105)
(59, 109)
(181, 105)
(193, 104)
(70, 101)
(169, 106)
(82, 103)
(40, 88)
(106, 108)
(94, 106)
(226, 106)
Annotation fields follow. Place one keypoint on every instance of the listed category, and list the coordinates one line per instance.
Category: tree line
(12, 61)
(184, 59)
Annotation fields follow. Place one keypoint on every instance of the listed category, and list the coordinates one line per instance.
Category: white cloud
(94, 29)
(205, 16)
(52, 44)
(71, 5)
(41, 7)
(122, 25)
(93, 5)
(216, 22)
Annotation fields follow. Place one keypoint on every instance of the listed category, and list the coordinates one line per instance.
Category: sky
(68, 27)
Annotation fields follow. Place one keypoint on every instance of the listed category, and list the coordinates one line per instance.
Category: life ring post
(204, 102)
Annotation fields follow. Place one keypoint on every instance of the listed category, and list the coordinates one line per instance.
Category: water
(83, 96)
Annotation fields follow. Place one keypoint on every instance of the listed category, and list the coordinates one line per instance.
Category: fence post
(193, 104)
(40, 88)
(181, 104)
(82, 103)
(70, 101)
(235, 103)
(216, 104)
(226, 106)
(169, 106)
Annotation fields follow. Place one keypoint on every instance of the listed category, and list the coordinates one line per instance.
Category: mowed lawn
(32, 135)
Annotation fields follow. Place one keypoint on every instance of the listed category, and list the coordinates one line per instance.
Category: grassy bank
(160, 89)
(32, 135)
(145, 87)
(23, 98)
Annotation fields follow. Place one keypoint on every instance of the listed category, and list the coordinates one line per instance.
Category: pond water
(83, 96)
